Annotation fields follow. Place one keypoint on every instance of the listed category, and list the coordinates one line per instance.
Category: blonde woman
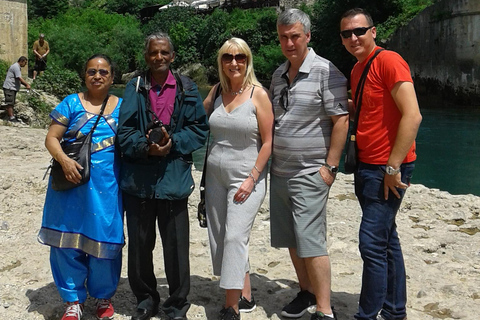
(241, 123)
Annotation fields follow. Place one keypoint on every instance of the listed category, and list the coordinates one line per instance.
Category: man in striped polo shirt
(311, 122)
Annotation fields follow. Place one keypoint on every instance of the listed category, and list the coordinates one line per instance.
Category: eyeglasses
(240, 58)
(357, 32)
(102, 72)
(283, 100)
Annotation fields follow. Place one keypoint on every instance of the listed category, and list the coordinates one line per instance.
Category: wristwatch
(332, 169)
(391, 171)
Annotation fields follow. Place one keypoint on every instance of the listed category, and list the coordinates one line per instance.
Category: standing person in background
(309, 97)
(11, 86)
(241, 123)
(84, 225)
(387, 126)
(156, 176)
(40, 49)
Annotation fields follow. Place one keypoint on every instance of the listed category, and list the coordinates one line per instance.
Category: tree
(80, 33)
(46, 8)
(387, 16)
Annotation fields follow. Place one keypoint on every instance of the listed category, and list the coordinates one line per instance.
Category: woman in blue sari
(84, 225)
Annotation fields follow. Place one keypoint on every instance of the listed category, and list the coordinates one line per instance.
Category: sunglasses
(357, 32)
(240, 58)
(283, 100)
(102, 72)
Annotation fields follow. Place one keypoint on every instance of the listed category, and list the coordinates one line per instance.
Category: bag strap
(359, 91)
(102, 109)
(204, 172)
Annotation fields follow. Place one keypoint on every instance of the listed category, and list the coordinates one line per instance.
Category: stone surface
(442, 262)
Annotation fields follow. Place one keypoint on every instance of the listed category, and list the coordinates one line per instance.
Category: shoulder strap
(102, 109)
(359, 91)
(138, 84)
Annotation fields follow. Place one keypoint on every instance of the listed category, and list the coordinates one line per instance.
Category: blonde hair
(242, 47)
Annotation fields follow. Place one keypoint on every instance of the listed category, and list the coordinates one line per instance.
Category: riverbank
(439, 233)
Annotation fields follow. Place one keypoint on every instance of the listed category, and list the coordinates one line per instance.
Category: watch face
(334, 169)
(391, 171)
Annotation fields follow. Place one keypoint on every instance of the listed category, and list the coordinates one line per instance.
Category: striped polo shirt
(303, 126)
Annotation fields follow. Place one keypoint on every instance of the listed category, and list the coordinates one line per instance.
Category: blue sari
(89, 217)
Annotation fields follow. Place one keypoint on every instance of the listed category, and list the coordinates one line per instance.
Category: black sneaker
(246, 306)
(13, 120)
(299, 305)
(320, 316)
(229, 314)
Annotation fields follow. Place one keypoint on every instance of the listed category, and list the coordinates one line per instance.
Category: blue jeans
(383, 281)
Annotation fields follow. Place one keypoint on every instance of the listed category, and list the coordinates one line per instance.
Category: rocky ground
(439, 233)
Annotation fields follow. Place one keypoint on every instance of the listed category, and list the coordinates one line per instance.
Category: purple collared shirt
(162, 99)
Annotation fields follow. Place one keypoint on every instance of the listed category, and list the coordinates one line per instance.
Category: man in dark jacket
(156, 175)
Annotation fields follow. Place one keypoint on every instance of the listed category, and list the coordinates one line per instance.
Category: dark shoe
(229, 314)
(246, 306)
(320, 316)
(299, 305)
(13, 120)
(144, 314)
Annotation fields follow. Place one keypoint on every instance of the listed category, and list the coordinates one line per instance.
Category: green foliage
(76, 35)
(4, 65)
(76, 29)
(131, 6)
(58, 81)
(267, 59)
(198, 37)
(387, 16)
(46, 8)
(37, 104)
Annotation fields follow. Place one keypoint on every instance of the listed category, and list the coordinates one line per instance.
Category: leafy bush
(46, 8)
(4, 65)
(58, 81)
(387, 16)
(79, 33)
(38, 104)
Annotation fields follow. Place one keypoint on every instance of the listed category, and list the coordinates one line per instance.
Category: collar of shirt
(162, 98)
(169, 82)
(306, 64)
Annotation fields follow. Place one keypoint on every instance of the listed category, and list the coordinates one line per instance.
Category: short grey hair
(292, 16)
(158, 36)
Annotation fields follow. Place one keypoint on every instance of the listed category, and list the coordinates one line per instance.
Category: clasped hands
(162, 148)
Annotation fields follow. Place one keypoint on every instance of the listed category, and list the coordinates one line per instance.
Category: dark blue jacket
(154, 177)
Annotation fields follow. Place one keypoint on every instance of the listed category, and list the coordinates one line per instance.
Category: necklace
(234, 93)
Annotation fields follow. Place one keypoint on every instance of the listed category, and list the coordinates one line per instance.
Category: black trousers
(173, 224)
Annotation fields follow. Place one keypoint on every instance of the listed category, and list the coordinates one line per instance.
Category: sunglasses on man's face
(357, 32)
(102, 72)
(240, 58)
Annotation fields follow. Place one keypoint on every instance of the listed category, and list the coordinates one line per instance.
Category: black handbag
(80, 151)
(201, 210)
(351, 150)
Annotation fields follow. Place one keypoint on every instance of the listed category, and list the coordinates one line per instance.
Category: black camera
(156, 135)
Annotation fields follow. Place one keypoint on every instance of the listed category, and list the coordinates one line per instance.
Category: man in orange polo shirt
(387, 126)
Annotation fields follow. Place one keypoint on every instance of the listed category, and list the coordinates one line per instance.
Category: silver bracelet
(255, 167)
(253, 178)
